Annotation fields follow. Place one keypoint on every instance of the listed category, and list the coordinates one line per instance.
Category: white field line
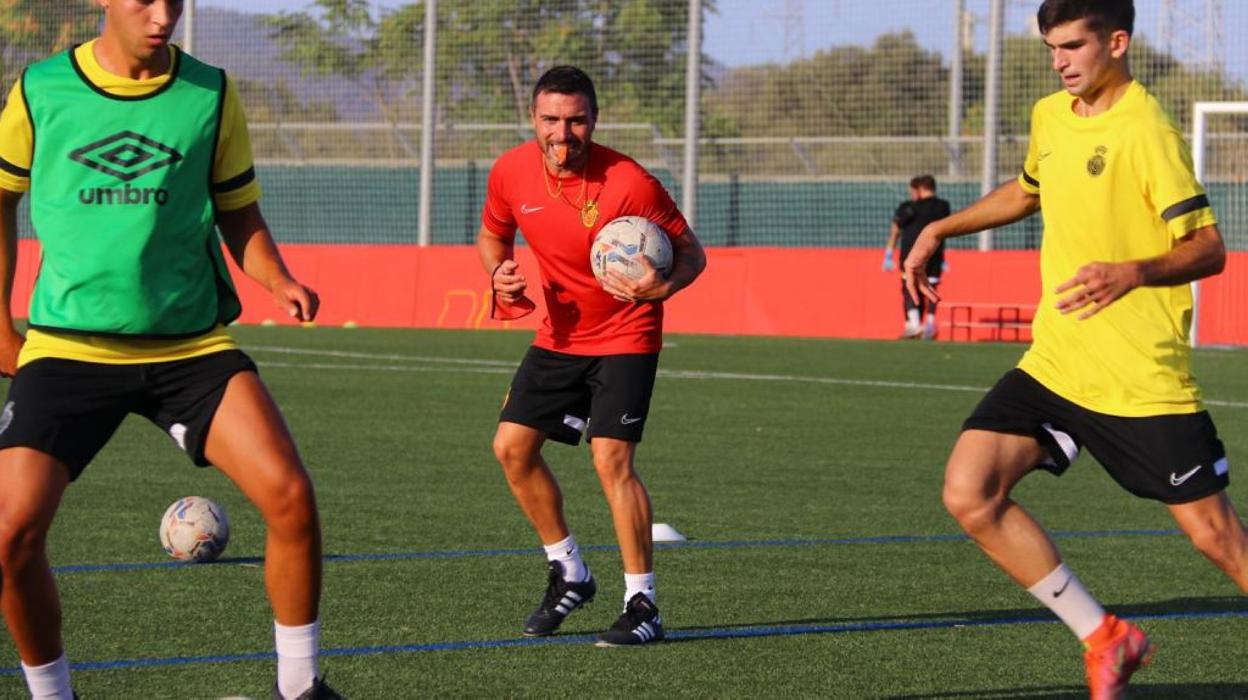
(507, 367)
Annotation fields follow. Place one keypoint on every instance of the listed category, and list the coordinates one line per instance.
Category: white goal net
(1220, 156)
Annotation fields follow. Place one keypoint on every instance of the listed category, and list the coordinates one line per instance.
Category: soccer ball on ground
(620, 244)
(194, 529)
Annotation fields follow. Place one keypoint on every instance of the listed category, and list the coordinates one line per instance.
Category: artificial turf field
(806, 474)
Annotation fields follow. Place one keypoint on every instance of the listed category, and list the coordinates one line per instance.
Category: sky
(748, 32)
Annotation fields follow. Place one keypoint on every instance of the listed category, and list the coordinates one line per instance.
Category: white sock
(638, 583)
(930, 324)
(297, 648)
(912, 319)
(49, 681)
(1062, 593)
(567, 553)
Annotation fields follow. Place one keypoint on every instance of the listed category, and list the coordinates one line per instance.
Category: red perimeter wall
(832, 292)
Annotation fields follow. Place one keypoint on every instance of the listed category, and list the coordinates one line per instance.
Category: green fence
(371, 204)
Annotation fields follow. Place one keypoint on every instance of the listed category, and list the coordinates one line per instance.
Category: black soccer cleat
(638, 624)
(320, 690)
(562, 597)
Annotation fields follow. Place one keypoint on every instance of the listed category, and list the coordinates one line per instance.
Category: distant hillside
(238, 43)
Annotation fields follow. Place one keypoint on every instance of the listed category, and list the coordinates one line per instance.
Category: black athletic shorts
(1174, 458)
(567, 395)
(70, 409)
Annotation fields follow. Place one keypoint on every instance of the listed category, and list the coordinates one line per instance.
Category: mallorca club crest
(1096, 164)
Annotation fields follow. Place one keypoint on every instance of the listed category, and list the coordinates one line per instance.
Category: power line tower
(793, 19)
(1191, 31)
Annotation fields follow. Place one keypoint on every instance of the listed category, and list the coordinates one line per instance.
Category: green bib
(121, 201)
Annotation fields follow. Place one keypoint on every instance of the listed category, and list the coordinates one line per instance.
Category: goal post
(1207, 170)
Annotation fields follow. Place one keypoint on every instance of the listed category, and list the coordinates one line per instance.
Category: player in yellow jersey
(134, 153)
(1126, 228)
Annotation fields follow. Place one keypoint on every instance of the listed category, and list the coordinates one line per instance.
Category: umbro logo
(1180, 479)
(526, 209)
(125, 155)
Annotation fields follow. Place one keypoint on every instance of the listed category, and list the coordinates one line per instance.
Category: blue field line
(526, 551)
(674, 635)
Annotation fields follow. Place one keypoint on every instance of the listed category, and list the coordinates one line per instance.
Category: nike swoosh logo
(1044, 155)
(1177, 480)
(629, 421)
(526, 209)
(1058, 593)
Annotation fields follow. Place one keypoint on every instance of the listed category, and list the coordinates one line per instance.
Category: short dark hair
(923, 182)
(567, 80)
(1102, 16)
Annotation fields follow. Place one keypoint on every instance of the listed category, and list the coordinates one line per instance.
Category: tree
(491, 53)
(34, 29)
(335, 38)
(894, 88)
(1027, 76)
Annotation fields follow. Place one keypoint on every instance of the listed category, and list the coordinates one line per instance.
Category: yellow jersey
(1113, 187)
(235, 187)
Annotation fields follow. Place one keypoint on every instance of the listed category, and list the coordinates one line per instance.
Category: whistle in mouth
(560, 152)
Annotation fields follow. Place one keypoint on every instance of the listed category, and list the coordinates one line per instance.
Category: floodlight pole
(425, 213)
(693, 84)
(992, 104)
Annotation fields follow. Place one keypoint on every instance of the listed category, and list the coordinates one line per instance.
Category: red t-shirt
(581, 318)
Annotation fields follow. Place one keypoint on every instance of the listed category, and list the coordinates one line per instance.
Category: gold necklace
(546, 181)
(588, 210)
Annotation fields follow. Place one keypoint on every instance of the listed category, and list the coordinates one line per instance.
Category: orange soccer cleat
(1114, 651)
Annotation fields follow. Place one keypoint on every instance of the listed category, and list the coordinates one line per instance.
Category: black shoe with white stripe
(639, 624)
(562, 597)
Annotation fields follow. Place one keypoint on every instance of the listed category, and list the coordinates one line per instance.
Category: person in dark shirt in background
(911, 216)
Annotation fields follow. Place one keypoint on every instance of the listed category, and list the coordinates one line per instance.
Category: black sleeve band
(11, 169)
(243, 178)
(1031, 180)
(1200, 201)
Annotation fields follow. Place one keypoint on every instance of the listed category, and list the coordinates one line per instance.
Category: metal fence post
(693, 85)
(188, 27)
(955, 90)
(992, 107)
(424, 226)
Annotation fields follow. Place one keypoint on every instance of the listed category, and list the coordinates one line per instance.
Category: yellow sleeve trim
(1183, 224)
(1029, 183)
(234, 176)
(16, 142)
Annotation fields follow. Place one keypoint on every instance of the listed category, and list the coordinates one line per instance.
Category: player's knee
(513, 456)
(613, 467)
(21, 541)
(290, 508)
(967, 503)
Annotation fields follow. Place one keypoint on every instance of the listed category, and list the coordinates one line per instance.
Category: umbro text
(123, 195)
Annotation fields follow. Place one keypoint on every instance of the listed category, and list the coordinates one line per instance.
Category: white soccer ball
(194, 529)
(621, 243)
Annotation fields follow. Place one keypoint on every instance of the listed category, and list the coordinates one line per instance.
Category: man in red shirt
(592, 365)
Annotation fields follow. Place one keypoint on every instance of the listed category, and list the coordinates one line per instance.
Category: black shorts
(566, 395)
(1170, 458)
(70, 409)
